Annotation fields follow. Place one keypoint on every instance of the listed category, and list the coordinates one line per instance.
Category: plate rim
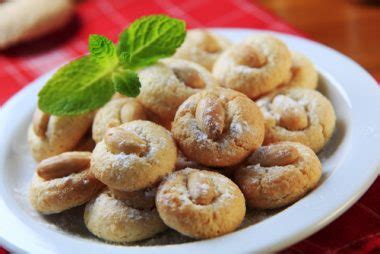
(370, 173)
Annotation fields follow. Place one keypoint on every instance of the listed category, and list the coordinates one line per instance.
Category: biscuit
(298, 114)
(165, 85)
(62, 182)
(114, 220)
(51, 135)
(254, 67)
(200, 204)
(303, 72)
(218, 127)
(134, 156)
(278, 175)
(118, 111)
(202, 47)
(23, 20)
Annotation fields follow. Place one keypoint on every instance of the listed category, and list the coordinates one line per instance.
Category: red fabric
(358, 230)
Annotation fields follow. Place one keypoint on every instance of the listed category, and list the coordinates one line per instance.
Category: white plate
(350, 164)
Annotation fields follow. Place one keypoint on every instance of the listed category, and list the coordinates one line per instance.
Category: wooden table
(348, 26)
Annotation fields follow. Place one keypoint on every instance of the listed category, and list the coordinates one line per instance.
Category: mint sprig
(89, 82)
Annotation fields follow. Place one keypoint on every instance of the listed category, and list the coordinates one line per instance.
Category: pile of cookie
(215, 127)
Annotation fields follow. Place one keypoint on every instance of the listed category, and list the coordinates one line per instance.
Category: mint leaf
(149, 39)
(127, 82)
(89, 82)
(102, 49)
(78, 87)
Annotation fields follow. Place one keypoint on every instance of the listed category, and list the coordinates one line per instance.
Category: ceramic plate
(350, 164)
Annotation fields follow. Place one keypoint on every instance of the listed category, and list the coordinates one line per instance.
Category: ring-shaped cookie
(202, 47)
(278, 175)
(51, 135)
(114, 220)
(299, 115)
(254, 67)
(200, 203)
(134, 156)
(218, 127)
(62, 182)
(117, 111)
(303, 72)
(165, 85)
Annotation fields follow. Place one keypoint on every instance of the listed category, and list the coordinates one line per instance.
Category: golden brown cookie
(278, 175)
(218, 127)
(118, 111)
(116, 220)
(23, 20)
(200, 204)
(134, 156)
(62, 182)
(303, 72)
(165, 85)
(203, 47)
(254, 67)
(51, 135)
(299, 115)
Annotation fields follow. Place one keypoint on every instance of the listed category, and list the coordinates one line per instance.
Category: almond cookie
(165, 85)
(303, 72)
(299, 115)
(62, 182)
(23, 20)
(278, 175)
(51, 135)
(254, 67)
(118, 111)
(218, 127)
(202, 47)
(200, 204)
(117, 220)
(134, 156)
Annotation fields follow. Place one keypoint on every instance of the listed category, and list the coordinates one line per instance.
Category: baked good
(134, 156)
(299, 115)
(303, 72)
(203, 47)
(165, 85)
(278, 175)
(200, 203)
(218, 127)
(51, 135)
(254, 67)
(117, 111)
(62, 182)
(23, 20)
(115, 220)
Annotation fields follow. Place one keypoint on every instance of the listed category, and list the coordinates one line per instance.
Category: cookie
(303, 72)
(134, 156)
(200, 204)
(51, 135)
(299, 115)
(254, 67)
(115, 220)
(118, 111)
(278, 175)
(62, 182)
(218, 127)
(165, 85)
(203, 47)
(23, 20)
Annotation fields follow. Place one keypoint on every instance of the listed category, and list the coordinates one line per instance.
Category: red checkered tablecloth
(358, 230)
